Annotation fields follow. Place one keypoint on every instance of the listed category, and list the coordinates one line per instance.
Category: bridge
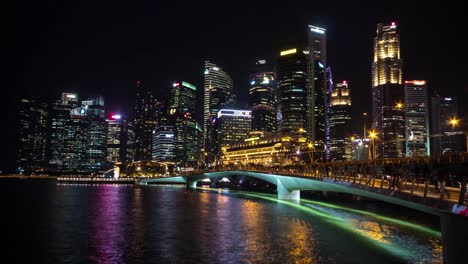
(408, 193)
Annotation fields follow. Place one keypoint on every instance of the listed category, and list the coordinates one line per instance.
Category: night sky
(104, 48)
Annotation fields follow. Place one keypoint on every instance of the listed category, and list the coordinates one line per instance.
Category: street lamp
(373, 136)
(454, 122)
(399, 105)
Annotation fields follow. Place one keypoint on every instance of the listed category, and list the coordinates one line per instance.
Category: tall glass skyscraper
(416, 119)
(119, 139)
(58, 121)
(387, 93)
(262, 97)
(145, 120)
(292, 90)
(96, 133)
(340, 122)
(317, 85)
(32, 135)
(218, 94)
(182, 108)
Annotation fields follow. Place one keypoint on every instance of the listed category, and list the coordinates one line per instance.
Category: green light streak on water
(417, 227)
(383, 245)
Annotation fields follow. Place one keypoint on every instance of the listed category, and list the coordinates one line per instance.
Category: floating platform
(96, 180)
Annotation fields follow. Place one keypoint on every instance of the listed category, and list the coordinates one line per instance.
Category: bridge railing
(372, 178)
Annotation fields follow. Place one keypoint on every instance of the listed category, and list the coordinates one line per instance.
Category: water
(49, 223)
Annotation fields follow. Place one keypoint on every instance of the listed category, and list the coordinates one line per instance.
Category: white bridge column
(192, 184)
(285, 194)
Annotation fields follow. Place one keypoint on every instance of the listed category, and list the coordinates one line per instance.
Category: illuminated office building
(96, 134)
(292, 90)
(262, 98)
(58, 119)
(164, 139)
(32, 135)
(231, 126)
(85, 144)
(119, 139)
(387, 93)
(361, 148)
(218, 94)
(182, 109)
(446, 137)
(317, 85)
(416, 119)
(340, 122)
(145, 120)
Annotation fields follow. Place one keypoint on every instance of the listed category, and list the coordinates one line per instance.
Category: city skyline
(350, 61)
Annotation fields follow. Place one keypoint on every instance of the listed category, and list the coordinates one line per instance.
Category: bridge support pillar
(454, 234)
(192, 184)
(285, 194)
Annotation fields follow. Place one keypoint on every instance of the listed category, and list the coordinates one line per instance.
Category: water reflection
(107, 234)
(149, 224)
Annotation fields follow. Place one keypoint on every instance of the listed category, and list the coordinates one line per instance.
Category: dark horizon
(105, 48)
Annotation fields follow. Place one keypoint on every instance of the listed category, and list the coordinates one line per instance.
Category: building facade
(340, 122)
(317, 84)
(416, 119)
(58, 122)
(32, 135)
(231, 126)
(262, 98)
(119, 140)
(387, 93)
(164, 140)
(182, 108)
(446, 136)
(218, 94)
(292, 90)
(145, 120)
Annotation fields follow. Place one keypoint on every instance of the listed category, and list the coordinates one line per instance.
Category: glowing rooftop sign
(317, 30)
(234, 113)
(189, 85)
(416, 82)
(116, 116)
(73, 96)
(287, 52)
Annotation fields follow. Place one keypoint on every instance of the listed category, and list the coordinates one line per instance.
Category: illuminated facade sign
(416, 82)
(287, 52)
(116, 116)
(317, 30)
(235, 113)
(189, 85)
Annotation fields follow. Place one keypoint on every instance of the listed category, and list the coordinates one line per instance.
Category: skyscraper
(96, 133)
(416, 119)
(164, 140)
(446, 135)
(118, 135)
(58, 120)
(145, 120)
(340, 122)
(262, 98)
(231, 126)
(85, 141)
(317, 85)
(32, 135)
(292, 90)
(218, 94)
(387, 93)
(182, 108)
